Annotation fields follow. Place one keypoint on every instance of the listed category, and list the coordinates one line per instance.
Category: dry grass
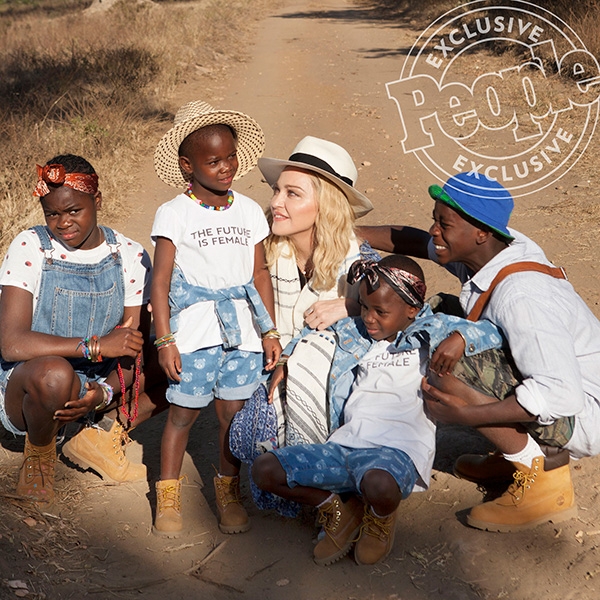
(95, 84)
(583, 16)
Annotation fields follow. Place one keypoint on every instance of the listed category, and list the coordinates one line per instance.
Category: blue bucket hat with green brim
(478, 197)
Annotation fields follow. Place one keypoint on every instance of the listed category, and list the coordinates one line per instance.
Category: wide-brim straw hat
(327, 159)
(195, 115)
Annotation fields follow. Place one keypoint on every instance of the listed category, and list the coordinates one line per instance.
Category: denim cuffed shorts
(215, 372)
(340, 469)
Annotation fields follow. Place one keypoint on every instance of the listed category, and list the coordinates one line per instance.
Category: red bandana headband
(55, 174)
(408, 286)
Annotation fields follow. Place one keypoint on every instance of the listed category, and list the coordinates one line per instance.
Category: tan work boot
(376, 538)
(233, 517)
(168, 521)
(36, 476)
(104, 452)
(341, 523)
(536, 496)
(490, 469)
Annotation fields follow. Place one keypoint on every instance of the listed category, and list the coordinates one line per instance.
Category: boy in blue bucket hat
(549, 409)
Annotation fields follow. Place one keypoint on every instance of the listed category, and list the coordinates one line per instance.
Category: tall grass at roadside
(583, 16)
(96, 84)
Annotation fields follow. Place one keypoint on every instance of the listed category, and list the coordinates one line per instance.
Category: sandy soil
(319, 69)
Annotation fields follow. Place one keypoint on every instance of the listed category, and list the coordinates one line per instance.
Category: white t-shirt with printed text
(22, 266)
(386, 408)
(214, 249)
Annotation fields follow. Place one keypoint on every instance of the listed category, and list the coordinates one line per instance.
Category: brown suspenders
(477, 309)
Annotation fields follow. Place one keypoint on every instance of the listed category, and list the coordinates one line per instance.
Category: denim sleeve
(480, 336)
(294, 341)
(431, 330)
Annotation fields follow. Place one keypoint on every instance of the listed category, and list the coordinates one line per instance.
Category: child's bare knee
(226, 410)
(380, 485)
(267, 472)
(51, 381)
(452, 385)
(181, 417)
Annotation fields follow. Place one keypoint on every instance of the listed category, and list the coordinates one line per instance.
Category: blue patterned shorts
(340, 469)
(215, 373)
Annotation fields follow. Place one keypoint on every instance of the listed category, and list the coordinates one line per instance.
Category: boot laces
(377, 527)
(522, 481)
(120, 440)
(329, 519)
(229, 491)
(41, 465)
(169, 497)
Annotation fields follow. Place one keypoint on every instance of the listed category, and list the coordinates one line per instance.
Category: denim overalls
(75, 300)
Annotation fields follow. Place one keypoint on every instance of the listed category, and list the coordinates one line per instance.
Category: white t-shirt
(22, 266)
(214, 249)
(386, 408)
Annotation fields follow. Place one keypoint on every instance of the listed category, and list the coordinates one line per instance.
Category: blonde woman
(309, 252)
(313, 241)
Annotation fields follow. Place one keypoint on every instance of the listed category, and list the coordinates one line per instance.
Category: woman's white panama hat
(195, 115)
(327, 159)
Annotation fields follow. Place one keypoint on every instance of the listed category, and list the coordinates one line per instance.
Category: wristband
(272, 334)
(462, 336)
(165, 341)
(107, 395)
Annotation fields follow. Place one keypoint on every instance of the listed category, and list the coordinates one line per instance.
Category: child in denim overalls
(209, 295)
(66, 287)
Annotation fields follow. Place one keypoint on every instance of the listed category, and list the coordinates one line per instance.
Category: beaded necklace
(193, 197)
(135, 387)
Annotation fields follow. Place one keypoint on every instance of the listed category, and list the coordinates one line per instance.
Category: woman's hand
(447, 354)
(122, 341)
(272, 349)
(75, 409)
(169, 360)
(325, 313)
(279, 374)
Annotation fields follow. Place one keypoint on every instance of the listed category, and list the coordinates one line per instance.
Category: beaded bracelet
(282, 361)
(107, 395)
(272, 334)
(84, 348)
(90, 348)
(165, 341)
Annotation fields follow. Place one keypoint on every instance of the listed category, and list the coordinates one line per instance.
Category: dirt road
(320, 69)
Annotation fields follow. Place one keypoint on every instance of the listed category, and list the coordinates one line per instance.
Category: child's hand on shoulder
(170, 361)
(447, 354)
(272, 349)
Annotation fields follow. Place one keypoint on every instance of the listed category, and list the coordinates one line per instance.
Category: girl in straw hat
(67, 313)
(211, 295)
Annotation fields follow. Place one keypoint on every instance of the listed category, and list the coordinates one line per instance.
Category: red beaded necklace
(136, 386)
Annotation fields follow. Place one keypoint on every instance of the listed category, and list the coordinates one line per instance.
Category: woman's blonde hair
(332, 232)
